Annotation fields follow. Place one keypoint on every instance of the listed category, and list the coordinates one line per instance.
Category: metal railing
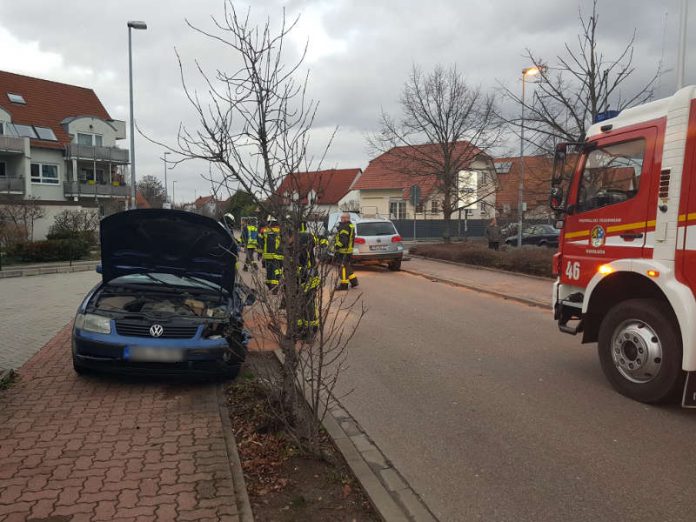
(11, 144)
(88, 152)
(11, 185)
(75, 188)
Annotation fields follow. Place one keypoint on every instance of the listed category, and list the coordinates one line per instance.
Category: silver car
(376, 242)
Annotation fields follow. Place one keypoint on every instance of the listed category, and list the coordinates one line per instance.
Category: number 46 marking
(573, 270)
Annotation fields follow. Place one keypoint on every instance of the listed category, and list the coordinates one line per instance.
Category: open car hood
(167, 241)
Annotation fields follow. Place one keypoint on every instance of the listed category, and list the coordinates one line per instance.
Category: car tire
(543, 243)
(642, 328)
(79, 369)
(231, 372)
(394, 266)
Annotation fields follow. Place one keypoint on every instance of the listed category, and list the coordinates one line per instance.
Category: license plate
(378, 248)
(151, 354)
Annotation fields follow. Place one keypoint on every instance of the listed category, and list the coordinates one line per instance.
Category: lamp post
(527, 71)
(141, 26)
(166, 195)
(682, 44)
(173, 192)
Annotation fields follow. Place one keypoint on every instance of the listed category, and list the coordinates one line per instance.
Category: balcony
(11, 144)
(72, 189)
(11, 185)
(88, 152)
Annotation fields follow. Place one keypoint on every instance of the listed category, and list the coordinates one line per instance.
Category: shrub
(51, 250)
(527, 260)
(75, 224)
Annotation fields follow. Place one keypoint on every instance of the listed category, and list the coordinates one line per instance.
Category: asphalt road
(491, 414)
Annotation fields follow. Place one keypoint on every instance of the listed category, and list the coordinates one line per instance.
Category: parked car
(539, 235)
(168, 301)
(376, 241)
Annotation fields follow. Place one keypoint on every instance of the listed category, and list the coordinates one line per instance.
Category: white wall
(91, 125)
(42, 226)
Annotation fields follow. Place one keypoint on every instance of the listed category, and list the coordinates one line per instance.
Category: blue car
(169, 301)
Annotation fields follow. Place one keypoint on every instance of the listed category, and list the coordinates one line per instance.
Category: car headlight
(93, 323)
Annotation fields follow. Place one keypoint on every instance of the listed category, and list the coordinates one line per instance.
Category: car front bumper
(377, 257)
(110, 353)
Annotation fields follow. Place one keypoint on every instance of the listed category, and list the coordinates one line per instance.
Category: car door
(608, 206)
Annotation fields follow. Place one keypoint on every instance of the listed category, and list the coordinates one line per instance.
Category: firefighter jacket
(345, 237)
(271, 244)
(250, 237)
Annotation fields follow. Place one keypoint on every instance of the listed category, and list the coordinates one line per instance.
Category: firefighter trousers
(250, 258)
(274, 271)
(345, 272)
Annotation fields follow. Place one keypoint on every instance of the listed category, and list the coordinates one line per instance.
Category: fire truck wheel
(640, 350)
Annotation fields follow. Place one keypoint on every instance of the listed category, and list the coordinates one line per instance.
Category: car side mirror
(98, 268)
(556, 198)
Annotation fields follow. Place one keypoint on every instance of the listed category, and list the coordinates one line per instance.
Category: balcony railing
(11, 144)
(11, 185)
(88, 152)
(73, 189)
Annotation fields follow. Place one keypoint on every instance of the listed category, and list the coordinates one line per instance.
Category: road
(491, 414)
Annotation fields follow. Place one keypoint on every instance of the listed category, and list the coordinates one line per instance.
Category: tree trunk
(447, 233)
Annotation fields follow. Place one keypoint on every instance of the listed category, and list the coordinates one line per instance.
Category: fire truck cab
(626, 266)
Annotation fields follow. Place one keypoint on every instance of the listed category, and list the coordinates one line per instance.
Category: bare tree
(253, 126)
(18, 218)
(152, 190)
(444, 127)
(582, 83)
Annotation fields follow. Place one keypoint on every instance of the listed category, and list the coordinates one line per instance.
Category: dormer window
(92, 140)
(16, 98)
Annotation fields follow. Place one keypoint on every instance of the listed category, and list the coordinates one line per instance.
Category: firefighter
(250, 240)
(272, 255)
(343, 247)
(309, 283)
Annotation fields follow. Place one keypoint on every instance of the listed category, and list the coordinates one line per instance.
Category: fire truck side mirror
(556, 198)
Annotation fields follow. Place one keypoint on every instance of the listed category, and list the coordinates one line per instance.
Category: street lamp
(527, 71)
(140, 26)
(166, 195)
(173, 192)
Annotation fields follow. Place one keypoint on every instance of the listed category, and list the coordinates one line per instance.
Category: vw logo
(156, 330)
(379, 240)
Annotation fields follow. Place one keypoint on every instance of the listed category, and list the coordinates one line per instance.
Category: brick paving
(96, 448)
(33, 309)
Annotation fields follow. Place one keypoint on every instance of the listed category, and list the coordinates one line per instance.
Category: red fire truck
(626, 265)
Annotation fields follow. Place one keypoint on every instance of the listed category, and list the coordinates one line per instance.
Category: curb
(388, 491)
(240, 491)
(483, 290)
(487, 268)
(5, 376)
(61, 269)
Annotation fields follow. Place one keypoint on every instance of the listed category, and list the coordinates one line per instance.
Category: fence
(435, 228)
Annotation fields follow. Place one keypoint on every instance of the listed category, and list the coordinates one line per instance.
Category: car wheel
(395, 266)
(542, 243)
(79, 369)
(640, 350)
(231, 372)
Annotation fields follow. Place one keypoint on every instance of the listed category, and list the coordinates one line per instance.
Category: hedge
(51, 250)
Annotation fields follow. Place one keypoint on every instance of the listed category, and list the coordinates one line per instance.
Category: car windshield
(379, 228)
(546, 229)
(163, 279)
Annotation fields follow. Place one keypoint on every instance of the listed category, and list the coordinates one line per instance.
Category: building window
(3, 169)
(92, 140)
(87, 176)
(397, 210)
(2, 128)
(419, 208)
(16, 98)
(434, 207)
(25, 131)
(45, 133)
(44, 174)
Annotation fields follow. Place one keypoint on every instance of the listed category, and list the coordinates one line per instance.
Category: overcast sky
(360, 52)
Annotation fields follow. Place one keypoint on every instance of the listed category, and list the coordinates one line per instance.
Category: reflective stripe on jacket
(271, 244)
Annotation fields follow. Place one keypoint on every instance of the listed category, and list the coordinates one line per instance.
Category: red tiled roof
(537, 180)
(47, 104)
(402, 167)
(329, 185)
(141, 201)
(202, 201)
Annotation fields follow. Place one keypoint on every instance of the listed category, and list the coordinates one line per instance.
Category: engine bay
(157, 304)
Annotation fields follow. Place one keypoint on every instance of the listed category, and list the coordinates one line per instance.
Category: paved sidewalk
(96, 448)
(33, 309)
(530, 290)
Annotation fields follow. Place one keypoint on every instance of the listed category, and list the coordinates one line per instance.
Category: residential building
(537, 182)
(324, 190)
(208, 206)
(385, 186)
(59, 144)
